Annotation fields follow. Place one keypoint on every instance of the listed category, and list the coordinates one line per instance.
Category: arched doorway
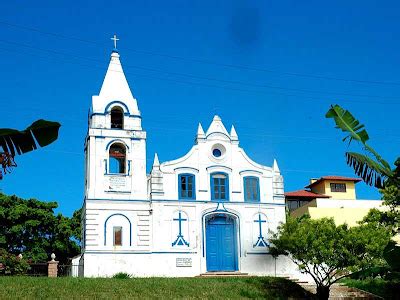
(221, 243)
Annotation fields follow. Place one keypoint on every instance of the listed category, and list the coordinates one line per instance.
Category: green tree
(328, 252)
(31, 227)
(76, 224)
(374, 170)
(12, 141)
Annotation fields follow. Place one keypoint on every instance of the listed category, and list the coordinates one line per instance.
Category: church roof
(115, 86)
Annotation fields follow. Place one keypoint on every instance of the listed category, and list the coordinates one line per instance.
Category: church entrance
(221, 243)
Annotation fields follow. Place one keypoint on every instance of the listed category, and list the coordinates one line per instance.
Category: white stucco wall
(147, 206)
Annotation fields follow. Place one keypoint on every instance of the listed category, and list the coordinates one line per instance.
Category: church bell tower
(115, 145)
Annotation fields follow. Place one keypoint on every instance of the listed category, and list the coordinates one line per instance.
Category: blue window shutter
(219, 186)
(186, 186)
(251, 189)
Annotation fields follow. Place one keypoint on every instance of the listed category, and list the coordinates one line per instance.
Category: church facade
(211, 210)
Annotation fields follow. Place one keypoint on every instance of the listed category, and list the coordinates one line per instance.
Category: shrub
(122, 275)
(11, 264)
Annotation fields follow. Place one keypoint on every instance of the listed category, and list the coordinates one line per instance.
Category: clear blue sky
(290, 58)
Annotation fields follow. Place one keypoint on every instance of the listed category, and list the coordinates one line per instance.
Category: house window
(117, 159)
(251, 189)
(219, 187)
(117, 118)
(117, 230)
(293, 204)
(186, 186)
(338, 187)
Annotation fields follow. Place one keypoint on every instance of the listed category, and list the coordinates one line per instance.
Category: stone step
(224, 274)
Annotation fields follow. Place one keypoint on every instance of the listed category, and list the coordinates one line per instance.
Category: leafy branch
(372, 168)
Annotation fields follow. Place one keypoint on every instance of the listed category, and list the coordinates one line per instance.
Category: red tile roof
(305, 194)
(336, 178)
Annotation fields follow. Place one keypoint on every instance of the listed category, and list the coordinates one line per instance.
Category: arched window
(186, 186)
(117, 118)
(251, 189)
(117, 159)
(219, 187)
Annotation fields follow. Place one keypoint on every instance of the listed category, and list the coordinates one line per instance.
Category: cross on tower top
(115, 39)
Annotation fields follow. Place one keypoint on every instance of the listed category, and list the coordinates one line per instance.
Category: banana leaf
(40, 133)
(372, 172)
(348, 123)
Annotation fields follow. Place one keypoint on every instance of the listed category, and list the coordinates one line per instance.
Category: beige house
(332, 197)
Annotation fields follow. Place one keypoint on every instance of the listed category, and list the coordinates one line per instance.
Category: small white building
(210, 210)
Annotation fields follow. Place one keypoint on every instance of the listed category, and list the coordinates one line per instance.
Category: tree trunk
(323, 292)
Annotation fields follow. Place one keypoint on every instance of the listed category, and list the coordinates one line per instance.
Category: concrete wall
(341, 210)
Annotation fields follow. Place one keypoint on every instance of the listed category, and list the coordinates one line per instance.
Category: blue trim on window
(226, 187)
(187, 168)
(116, 141)
(116, 103)
(258, 172)
(218, 166)
(187, 176)
(105, 228)
(245, 189)
(104, 114)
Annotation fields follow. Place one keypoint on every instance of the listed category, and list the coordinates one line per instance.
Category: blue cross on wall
(260, 241)
(180, 240)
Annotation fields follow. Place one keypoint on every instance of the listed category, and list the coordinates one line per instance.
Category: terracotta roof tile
(305, 194)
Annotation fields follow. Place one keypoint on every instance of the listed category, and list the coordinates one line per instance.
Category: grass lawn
(380, 287)
(142, 288)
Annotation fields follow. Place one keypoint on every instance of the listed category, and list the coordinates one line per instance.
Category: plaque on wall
(117, 183)
(183, 261)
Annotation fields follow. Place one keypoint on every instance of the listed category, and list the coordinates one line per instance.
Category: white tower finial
(233, 134)
(200, 136)
(275, 167)
(200, 130)
(156, 162)
(115, 39)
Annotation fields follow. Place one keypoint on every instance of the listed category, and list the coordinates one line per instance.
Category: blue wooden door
(221, 244)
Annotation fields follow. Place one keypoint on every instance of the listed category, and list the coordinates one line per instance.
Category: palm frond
(41, 133)
(347, 123)
(372, 172)
(377, 156)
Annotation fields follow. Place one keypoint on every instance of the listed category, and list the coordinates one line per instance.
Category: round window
(217, 153)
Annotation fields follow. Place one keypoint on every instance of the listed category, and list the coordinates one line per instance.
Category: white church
(211, 210)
